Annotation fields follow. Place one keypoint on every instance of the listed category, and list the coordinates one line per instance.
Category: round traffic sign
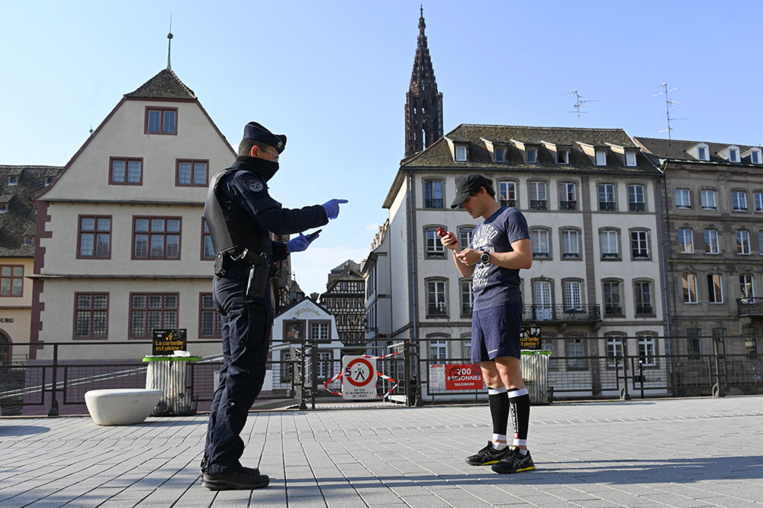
(367, 375)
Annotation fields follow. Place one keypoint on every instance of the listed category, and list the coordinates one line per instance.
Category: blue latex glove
(300, 243)
(332, 207)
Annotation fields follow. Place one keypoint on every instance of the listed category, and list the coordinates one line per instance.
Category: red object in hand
(441, 232)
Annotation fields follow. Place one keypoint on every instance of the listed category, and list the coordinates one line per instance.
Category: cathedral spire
(423, 104)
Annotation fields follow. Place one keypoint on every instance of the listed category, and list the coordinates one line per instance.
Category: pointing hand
(332, 207)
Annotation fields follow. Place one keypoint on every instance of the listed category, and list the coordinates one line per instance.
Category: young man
(241, 216)
(500, 247)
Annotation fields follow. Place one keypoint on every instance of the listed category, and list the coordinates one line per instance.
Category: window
(693, 343)
(320, 331)
(570, 244)
(91, 315)
(703, 153)
(324, 365)
(573, 296)
(467, 347)
(507, 194)
(433, 194)
(126, 171)
(758, 197)
(755, 157)
(568, 199)
(539, 238)
(461, 154)
(434, 247)
(161, 120)
(601, 158)
(13, 180)
(156, 238)
(210, 324)
(746, 287)
(532, 155)
(614, 352)
(192, 173)
(607, 197)
(94, 237)
(500, 154)
(207, 249)
(743, 242)
(643, 290)
(640, 244)
(739, 201)
(11, 280)
(711, 242)
(465, 237)
(29, 240)
(714, 288)
(686, 241)
(647, 350)
(467, 298)
(438, 350)
(543, 309)
(538, 196)
(563, 157)
(636, 198)
(436, 299)
(733, 154)
(709, 199)
(613, 306)
(689, 284)
(630, 158)
(575, 354)
(610, 244)
(150, 311)
(683, 199)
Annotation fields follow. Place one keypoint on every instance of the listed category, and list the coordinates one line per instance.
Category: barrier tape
(338, 376)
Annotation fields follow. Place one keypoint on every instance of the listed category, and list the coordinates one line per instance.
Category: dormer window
(532, 155)
(601, 158)
(630, 158)
(563, 156)
(700, 151)
(733, 154)
(461, 153)
(500, 154)
(28, 240)
(755, 156)
(13, 180)
(48, 181)
(3, 207)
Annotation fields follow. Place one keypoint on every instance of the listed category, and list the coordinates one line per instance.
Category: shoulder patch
(256, 185)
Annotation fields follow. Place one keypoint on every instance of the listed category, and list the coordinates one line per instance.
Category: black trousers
(247, 325)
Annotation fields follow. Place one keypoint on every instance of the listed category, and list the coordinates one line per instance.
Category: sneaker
(238, 479)
(488, 455)
(514, 462)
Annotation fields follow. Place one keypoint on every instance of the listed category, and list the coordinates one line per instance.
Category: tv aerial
(668, 103)
(580, 103)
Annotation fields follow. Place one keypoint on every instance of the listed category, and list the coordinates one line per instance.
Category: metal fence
(411, 372)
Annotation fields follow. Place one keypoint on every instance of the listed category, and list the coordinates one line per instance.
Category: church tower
(423, 104)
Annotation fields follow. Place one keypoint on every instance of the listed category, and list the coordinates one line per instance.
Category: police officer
(241, 215)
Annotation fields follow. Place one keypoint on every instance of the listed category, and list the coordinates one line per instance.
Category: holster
(259, 273)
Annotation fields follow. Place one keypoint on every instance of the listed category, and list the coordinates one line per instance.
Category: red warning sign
(463, 377)
(360, 372)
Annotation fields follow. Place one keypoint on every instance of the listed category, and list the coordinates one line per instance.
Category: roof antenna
(169, 45)
(668, 103)
(580, 102)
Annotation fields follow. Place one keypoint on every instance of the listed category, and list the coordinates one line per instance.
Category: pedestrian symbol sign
(359, 378)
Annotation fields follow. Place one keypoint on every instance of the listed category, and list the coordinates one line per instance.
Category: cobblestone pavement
(673, 452)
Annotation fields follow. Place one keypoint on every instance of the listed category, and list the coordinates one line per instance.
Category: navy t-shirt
(494, 286)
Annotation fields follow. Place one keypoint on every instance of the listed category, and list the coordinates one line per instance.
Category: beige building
(18, 186)
(122, 245)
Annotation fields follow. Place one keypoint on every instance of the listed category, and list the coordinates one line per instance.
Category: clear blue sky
(333, 74)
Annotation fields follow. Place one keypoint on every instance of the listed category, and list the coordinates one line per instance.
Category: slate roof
(678, 150)
(20, 219)
(439, 155)
(165, 85)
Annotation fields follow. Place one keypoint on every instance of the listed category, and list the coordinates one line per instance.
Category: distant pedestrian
(500, 247)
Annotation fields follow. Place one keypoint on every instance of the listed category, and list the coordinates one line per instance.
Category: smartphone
(441, 232)
(312, 235)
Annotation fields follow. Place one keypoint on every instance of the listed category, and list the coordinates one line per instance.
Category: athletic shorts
(495, 332)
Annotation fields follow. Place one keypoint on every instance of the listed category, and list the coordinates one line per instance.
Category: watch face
(485, 258)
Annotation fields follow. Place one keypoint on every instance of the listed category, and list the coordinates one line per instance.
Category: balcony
(752, 307)
(637, 207)
(538, 204)
(568, 205)
(433, 203)
(558, 313)
(607, 206)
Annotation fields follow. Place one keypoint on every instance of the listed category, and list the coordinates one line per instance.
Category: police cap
(257, 132)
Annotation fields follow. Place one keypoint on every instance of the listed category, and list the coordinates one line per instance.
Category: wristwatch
(485, 258)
